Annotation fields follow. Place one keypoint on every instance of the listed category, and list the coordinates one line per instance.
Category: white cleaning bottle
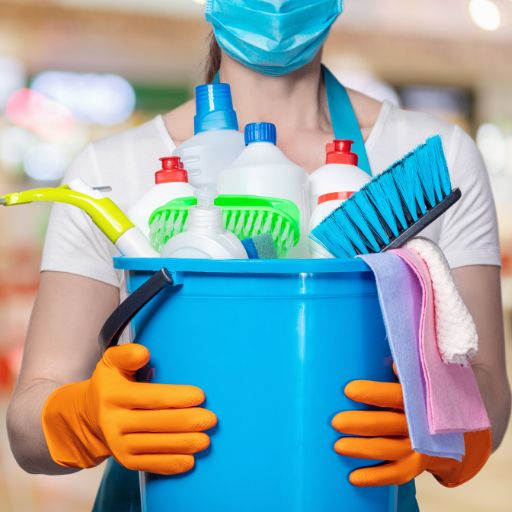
(204, 236)
(340, 173)
(171, 182)
(216, 142)
(262, 169)
(332, 184)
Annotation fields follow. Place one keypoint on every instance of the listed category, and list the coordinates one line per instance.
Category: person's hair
(213, 60)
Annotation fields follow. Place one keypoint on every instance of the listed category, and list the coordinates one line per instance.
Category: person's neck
(294, 102)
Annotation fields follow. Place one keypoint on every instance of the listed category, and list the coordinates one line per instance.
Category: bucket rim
(277, 266)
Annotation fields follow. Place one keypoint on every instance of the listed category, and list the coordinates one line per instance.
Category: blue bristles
(386, 199)
(393, 207)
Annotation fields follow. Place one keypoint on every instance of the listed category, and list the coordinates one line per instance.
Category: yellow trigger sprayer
(109, 218)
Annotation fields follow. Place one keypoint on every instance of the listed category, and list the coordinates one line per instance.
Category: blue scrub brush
(393, 208)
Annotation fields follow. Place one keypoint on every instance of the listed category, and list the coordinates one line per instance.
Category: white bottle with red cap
(332, 184)
(171, 182)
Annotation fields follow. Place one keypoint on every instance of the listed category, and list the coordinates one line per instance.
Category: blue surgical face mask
(273, 37)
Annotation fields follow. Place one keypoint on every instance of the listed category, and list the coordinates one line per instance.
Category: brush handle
(425, 221)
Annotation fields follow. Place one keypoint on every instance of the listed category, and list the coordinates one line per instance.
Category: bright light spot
(14, 143)
(12, 78)
(45, 162)
(96, 99)
(485, 14)
(36, 113)
(492, 144)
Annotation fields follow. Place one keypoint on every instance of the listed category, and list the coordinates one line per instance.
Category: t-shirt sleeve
(469, 234)
(73, 242)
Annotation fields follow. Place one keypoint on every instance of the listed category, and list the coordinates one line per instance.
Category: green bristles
(245, 216)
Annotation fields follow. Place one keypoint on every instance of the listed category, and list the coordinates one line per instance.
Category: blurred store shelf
(400, 39)
(144, 47)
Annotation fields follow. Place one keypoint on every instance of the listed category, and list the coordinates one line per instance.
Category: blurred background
(75, 70)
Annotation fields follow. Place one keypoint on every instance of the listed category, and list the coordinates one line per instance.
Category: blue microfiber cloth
(400, 297)
(260, 247)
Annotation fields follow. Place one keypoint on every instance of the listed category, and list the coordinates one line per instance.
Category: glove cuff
(71, 440)
(451, 473)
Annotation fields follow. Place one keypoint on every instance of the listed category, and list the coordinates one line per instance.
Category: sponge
(260, 247)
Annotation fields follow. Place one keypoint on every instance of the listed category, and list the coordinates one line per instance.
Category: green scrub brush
(245, 216)
(393, 208)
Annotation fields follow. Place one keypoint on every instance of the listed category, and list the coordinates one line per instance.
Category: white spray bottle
(204, 236)
(216, 142)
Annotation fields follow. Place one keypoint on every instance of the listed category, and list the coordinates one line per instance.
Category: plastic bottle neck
(340, 152)
(205, 221)
(260, 133)
(261, 144)
(172, 171)
(214, 108)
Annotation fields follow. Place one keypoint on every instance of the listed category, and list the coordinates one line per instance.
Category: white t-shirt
(126, 162)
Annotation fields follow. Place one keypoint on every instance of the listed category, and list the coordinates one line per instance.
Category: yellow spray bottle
(109, 218)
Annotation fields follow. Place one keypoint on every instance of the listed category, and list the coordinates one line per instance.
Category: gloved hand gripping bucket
(272, 343)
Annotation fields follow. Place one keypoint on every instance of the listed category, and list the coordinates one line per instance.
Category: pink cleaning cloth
(454, 403)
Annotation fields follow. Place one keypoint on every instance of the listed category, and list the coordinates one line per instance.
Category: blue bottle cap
(214, 108)
(260, 132)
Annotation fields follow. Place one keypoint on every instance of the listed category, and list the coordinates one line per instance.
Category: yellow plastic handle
(109, 218)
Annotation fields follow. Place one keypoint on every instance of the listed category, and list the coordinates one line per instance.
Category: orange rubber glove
(146, 427)
(384, 436)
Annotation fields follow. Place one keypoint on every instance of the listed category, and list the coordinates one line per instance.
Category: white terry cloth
(457, 338)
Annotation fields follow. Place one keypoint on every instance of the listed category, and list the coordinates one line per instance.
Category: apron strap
(343, 118)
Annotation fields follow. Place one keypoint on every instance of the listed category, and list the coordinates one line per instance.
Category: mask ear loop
(343, 118)
(216, 78)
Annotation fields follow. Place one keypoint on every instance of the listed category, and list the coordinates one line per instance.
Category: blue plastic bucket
(272, 343)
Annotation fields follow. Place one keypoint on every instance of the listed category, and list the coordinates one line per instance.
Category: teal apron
(119, 489)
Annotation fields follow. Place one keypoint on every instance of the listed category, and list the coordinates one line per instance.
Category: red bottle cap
(334, 196)
(340, 152)
(172, 171)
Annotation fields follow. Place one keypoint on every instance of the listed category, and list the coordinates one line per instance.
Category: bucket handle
(124, 313)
